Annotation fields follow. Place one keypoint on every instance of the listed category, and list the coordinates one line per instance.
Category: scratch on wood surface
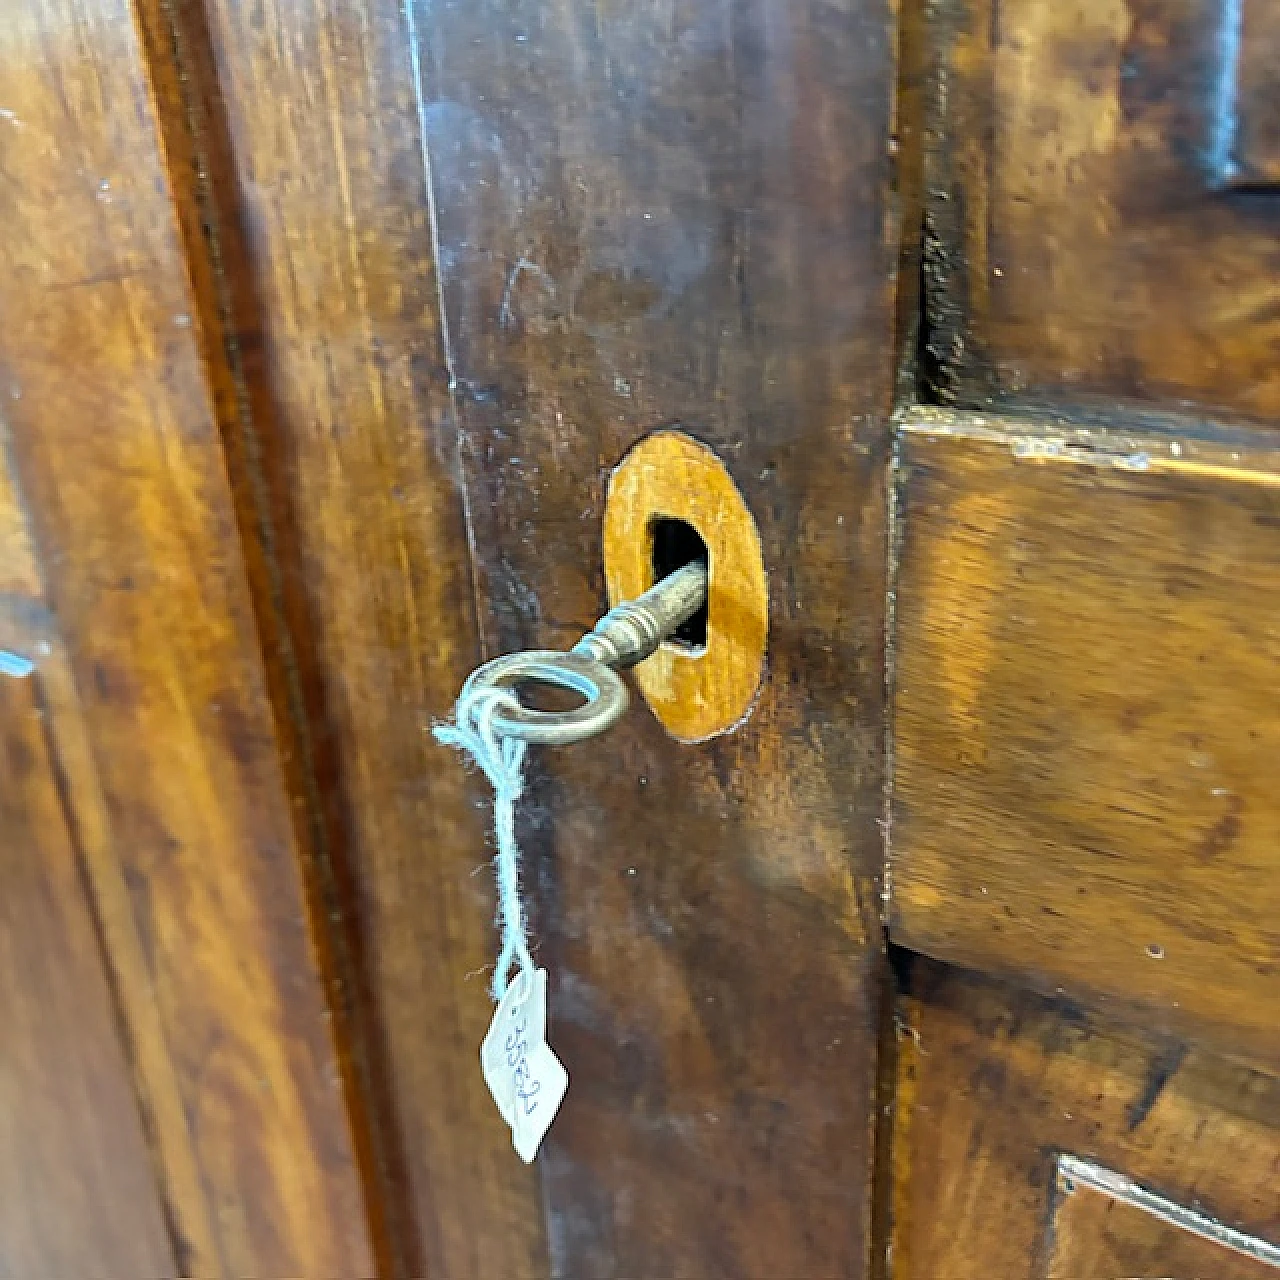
(1035, 440)
(523, 264)
(1072, 1170)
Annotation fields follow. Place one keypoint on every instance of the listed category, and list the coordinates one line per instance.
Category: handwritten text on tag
(527, 1080)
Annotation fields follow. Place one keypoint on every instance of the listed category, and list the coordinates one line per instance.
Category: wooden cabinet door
(485, 249)
(954, 951)
(336, 319)
(1084, 819)
(171, 1089)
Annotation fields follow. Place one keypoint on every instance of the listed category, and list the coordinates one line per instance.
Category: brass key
(627, 634)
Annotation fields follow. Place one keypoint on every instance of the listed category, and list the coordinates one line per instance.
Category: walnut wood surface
(418, 279)
(78, 1194)
(756, 308)
(299, 186)
(1086, 721)
(18, 572)
(1253, 148)
(120, 466)
(993, 1083)
(653, 217)
(341, 447)
(1104, 202)
(28, 629)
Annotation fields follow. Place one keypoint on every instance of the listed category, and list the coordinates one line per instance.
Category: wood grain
(342, 452)
(1085, 718)
(78, 1194)
(994, 1083)
(678, 216)
(27, 628)
(1103, 205)
(695, 695)
(18, 573)
(120, 465)
(1254, 157)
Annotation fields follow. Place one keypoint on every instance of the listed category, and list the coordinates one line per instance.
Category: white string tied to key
(527, 1080)
(492, 727)
(501, 759)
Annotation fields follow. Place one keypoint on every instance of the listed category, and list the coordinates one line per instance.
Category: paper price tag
(527, 1080)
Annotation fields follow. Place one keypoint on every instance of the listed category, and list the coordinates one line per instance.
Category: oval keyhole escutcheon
(669, 480)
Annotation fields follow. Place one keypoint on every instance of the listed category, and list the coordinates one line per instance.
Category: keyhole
(677, 543)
